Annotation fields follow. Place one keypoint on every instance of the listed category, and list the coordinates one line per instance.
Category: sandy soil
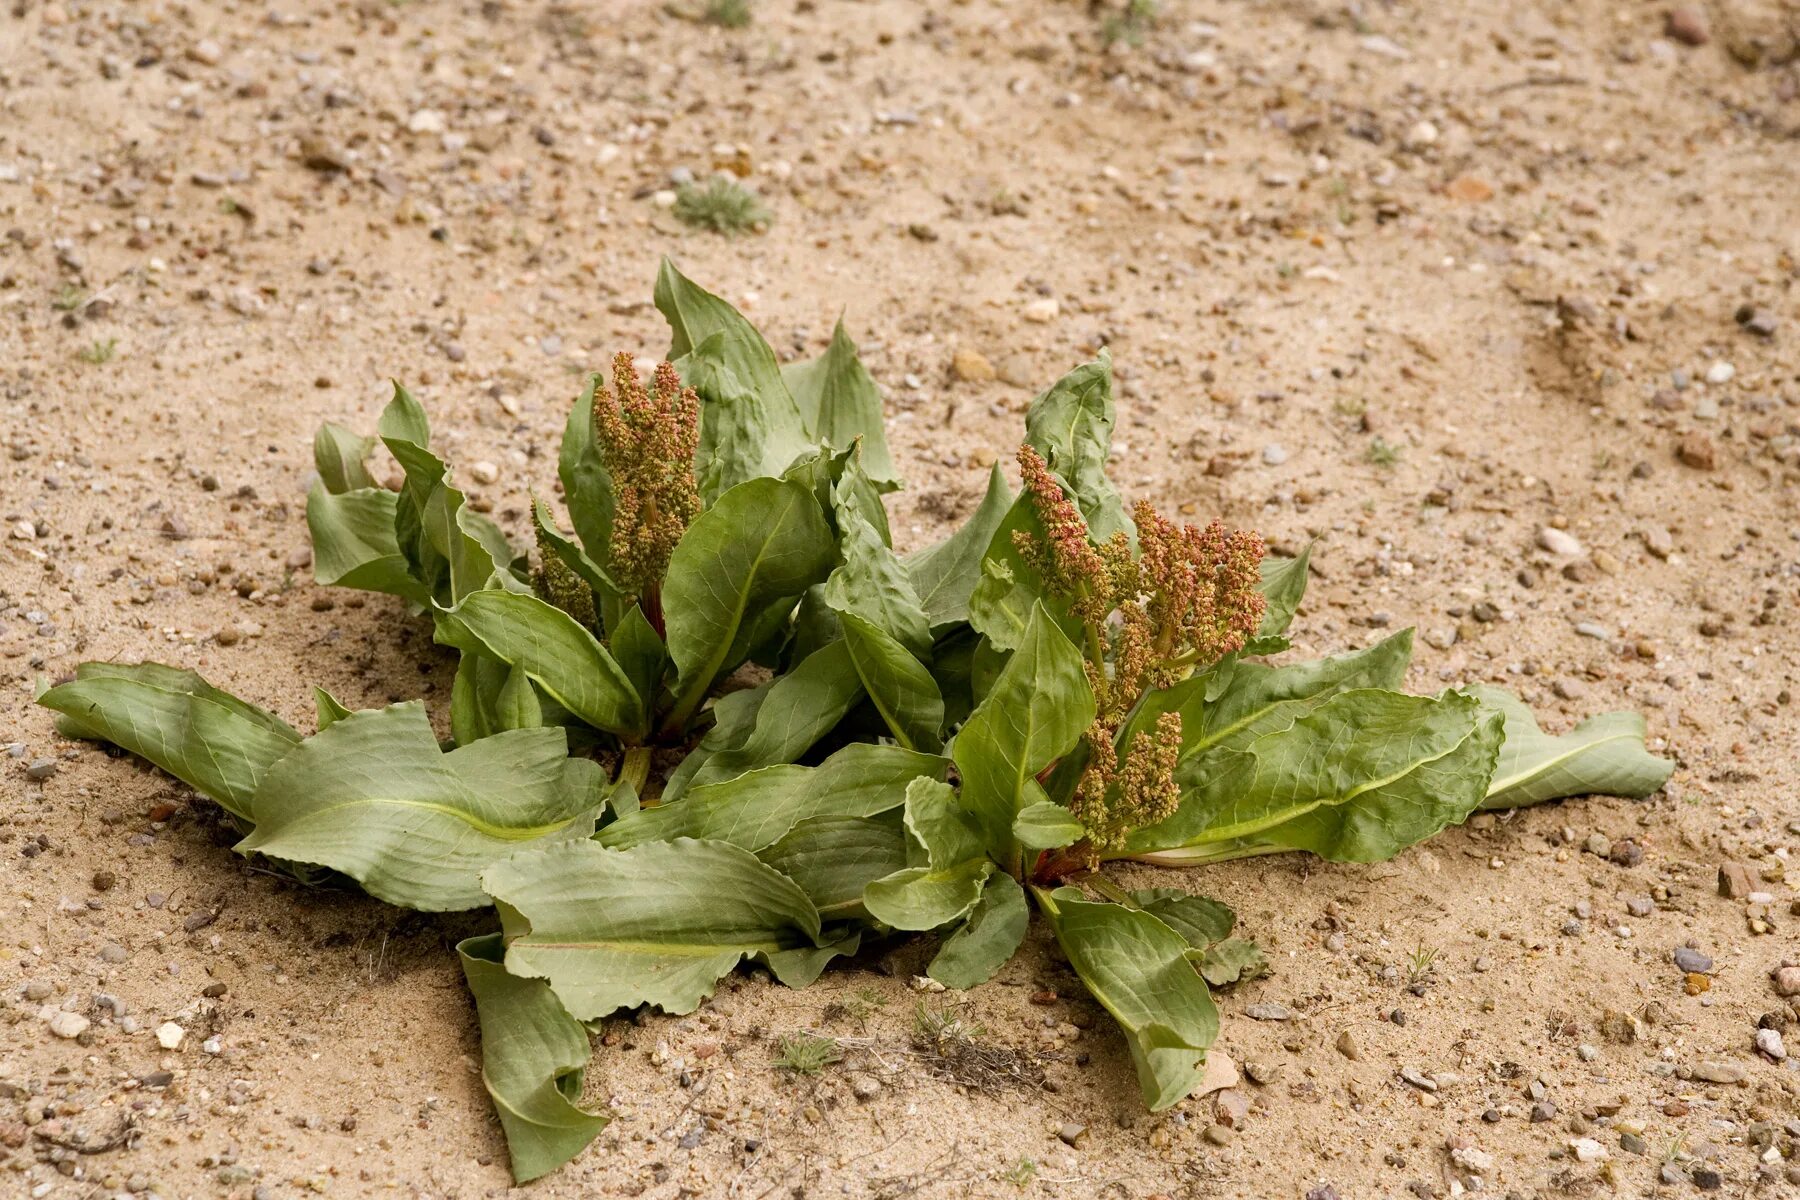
(1417, 281)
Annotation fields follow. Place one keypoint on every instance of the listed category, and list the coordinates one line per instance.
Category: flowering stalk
(647, 439)
(1188, 599)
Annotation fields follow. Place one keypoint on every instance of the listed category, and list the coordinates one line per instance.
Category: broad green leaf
(449, 549)
(657, 924)
(734, 717)
(1046, 825)
(1010, 588)
(1259, 699)
(870, 583)
(756, 809)
(339, 456)
(799, 708)
(926, 897)
(474, 697)
(641, 655)
(552, 648)
(587, 486)
(404, 419)
(750, 426)
(533, 1058)
(1232, 960)
(1283, 585)
(1071, 425)
(1137, 968)
(833, 858)
(1034, 714)
(1602, 756)
(840, 404)
(354, 545)
(902, 690)
(374, 798)
(941, 833)
(760, 545)
(945, 575)
(1201, 921)
(982, 943)
(215, 743)
(328, 708)
(517, 705)
(1360, 778)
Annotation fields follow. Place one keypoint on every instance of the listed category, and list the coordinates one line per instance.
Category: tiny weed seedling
(722, 720)
(726, 14)
(69, 298)
(807, 1054)
(1421, 964)
(100, 350)
(722, 206)
(1130, 25)
(1383, 453)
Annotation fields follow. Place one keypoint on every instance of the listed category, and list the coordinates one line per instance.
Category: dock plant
(711, 716)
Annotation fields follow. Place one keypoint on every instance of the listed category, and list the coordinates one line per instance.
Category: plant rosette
(721, 720)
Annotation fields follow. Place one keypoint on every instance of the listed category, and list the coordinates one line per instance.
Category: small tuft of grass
(721, 205)
(1021, 1173)
(726, 14)
(1420, 964)
(100, 350)
(1383, 453)
(807, 1053)
(1130, 25)
(69, 298)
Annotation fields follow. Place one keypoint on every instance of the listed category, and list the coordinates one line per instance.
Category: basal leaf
(215, 743)
(756, 809)
(760, 545)
(833, 858)
(354, 545)
(940, 830)
(475, 695)
(373, 797)
(1071, 425)
(327, 708)
(902, 690)
(552, 648)
(641, 655)
(657, 924)
(450, 550)
(869, 582)
(1360, 778)
(944, 575)
(982, 943)
(1034, 714)
(1283, 584)
(609, 602)
(926, 897)
(1137, 968)
(533, 1057)
(1199, 920)
(1602, 756)
(339, 456)
(1046, 825)
(841, 405)
(1233, 960)
(1257, 699)
(750, 426)
(797, 710)
(587, 485)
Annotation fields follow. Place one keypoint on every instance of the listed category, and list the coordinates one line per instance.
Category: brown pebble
(103, 881)
(1687, 25)
(1696, 450)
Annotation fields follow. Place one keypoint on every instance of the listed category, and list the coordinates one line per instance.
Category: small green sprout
(69, 298)
(1383, 453)
(721, 205)
(1021, 1173)
(1420, 964)
(726, 14)
(1131, 25)
(100, 350)
(807, 1053)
